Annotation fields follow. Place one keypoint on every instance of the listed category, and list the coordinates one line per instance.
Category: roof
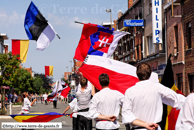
(78, 64)
(134, 3)
(4, 35)
(29, 69)
(107, 23)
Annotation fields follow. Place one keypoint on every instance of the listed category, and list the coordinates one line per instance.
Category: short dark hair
(104, 79)
(84, 82)
(143, 71)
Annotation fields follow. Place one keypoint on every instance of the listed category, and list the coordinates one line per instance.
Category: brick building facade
(188, 23)
(175, 41)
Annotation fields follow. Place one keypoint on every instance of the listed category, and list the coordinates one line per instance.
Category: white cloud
(7, 20)
(56, 20)
(76, 25)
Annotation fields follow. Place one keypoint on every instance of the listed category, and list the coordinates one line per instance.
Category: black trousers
(83, 122)
(54, 104)
(74, 123)
(107, 129)
(45, 102)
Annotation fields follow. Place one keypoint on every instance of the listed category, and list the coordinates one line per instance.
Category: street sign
(133, 22)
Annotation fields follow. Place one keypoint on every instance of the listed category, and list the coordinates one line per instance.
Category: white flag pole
(53, 30)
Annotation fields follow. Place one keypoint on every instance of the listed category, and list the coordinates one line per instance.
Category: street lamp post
(109, 10)
(67, 68)
(71, 65)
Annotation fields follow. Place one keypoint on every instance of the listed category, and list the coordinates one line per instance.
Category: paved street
(66, 121)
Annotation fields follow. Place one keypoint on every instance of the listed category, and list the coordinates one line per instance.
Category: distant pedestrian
(45, 98)
(55, 102)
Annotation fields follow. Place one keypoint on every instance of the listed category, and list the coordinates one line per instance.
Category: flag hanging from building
(96, 40)
(170, 114)
(121, 75)
(48, 71)
(20, 47)
(38, 28)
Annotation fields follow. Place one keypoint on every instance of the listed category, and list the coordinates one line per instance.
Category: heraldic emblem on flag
(97, 40)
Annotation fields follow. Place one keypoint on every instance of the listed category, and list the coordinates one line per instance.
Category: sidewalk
(16, 109)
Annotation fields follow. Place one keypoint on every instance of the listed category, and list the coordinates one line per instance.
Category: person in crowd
(41, 98)
(185, 119)
(26, 104)
(55, 102)
(105, 106)
(83, 95)
(143, 101)
(62, 98)
(36, 97)
(73, 105)
(45, 98)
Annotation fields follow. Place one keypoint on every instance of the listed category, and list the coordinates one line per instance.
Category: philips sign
(157, 21)
(134, 22)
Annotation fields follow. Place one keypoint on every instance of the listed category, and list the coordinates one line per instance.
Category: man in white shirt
(73, 105)
(143, 101)
(105, 106)
(185, 119)
(45, 98)
(83, 96)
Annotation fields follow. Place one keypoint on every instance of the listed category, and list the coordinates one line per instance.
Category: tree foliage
(37, 85)
(47, 81)
(8, 66)
(22, 81)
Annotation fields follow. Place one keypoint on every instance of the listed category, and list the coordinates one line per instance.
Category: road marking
(64, 122)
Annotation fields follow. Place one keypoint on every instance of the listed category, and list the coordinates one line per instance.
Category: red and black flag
(170, 114)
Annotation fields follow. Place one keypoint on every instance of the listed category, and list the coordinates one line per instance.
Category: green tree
(22, 81)
(47, 81)
(37, 85)
(8, 65)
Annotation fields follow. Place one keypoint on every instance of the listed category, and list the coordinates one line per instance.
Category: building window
(176, 39)
(149, 6)
(180, 82)
(189, 35)
(151, 46)
(191, 83)
(137, 52)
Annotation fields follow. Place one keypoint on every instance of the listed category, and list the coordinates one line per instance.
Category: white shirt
(45, 96)
(106, 102)
(144, 100)
(73, 105)
(185, 119)
(83, 98)
(26, 105)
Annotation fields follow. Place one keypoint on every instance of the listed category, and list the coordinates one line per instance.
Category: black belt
(84, 110)
(134, 128)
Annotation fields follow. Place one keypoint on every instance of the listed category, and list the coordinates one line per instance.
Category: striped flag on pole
(20, 47)
(38, 28)
(48, 71)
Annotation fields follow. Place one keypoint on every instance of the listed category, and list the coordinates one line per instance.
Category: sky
(62, 15)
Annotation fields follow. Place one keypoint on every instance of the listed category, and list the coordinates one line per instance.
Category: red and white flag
(121, 75)
(64, 92)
